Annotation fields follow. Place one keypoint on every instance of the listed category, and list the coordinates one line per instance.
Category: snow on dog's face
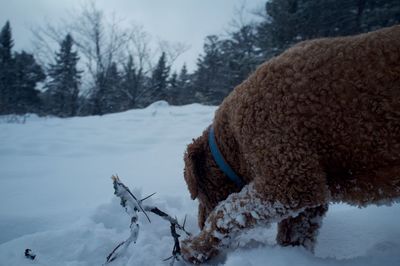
(205, 180)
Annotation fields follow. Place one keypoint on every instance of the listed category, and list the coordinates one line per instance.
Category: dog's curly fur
(319, 123)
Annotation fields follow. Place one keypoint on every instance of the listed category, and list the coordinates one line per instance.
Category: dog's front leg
(241, 210)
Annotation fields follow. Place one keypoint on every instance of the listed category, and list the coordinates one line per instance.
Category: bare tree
(139, 48)
(100, 41)
(105, 44)
(46, 39)
(172, 50)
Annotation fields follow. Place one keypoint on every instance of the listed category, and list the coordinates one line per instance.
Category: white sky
(187, 21)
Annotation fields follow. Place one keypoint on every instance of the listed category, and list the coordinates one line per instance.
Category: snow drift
(57, 196)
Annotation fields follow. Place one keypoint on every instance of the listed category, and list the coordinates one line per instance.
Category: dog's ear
(194, 165)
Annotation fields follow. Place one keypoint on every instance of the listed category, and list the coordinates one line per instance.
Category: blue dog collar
(219, 159)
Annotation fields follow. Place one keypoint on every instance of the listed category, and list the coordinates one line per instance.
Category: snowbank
(57, 196)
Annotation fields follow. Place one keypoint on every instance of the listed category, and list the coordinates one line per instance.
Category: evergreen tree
(183, 78)
(279, 30)
(63, 86)
(19, 74)
(110, 96)
(159, 79)
(185, 93)
(6, 69)
(225, 64)
(27, 74)
(6, 43)
(173, 89)
(291, 21)
(209, 78)
(327, 18)
(132, 83)
(241, 54)
(179, 89)
(374, 14)
(115, 91)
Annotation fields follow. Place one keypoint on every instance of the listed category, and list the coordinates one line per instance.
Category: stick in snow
(29, 254)
(132, 206)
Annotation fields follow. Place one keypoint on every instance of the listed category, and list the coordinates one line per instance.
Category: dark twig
(110, 257)
(165, 216)
(29, 254)
(176, 251)
(145, 198)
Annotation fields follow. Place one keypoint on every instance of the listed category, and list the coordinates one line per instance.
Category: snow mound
(158, 104)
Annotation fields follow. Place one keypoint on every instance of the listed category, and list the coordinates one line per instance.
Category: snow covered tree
(63, 86)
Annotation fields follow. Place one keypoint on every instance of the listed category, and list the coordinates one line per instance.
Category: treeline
(116, 77)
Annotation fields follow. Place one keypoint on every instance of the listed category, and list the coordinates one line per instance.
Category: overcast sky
(187, 21)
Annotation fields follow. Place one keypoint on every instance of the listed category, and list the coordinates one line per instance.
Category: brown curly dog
(318, 124)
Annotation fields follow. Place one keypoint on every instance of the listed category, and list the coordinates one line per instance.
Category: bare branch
(172, 50)
(240, 19)
(145, 198)
(128, 200)
(139, 46)
(46, 39)
(132, 206)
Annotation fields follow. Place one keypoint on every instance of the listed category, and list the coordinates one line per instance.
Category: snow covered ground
(57, 197)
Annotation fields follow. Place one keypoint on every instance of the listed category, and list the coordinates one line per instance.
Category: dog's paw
(199, 249)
